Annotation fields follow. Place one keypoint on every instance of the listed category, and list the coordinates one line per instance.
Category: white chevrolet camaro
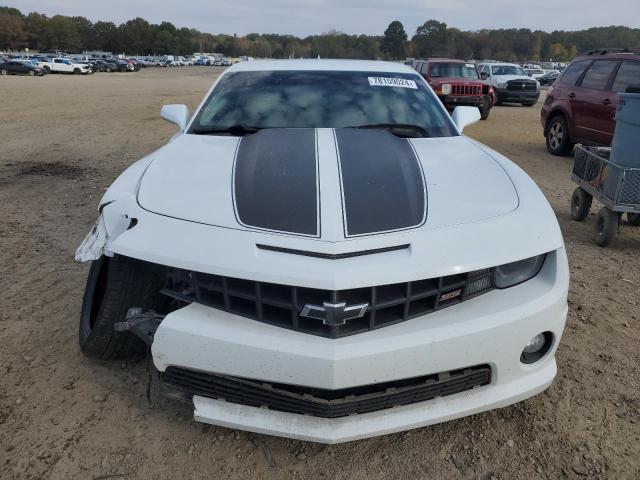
(319, 253)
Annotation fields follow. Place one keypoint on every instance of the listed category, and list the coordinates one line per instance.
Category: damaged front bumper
(262, 378)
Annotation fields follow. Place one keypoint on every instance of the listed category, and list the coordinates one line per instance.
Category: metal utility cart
(615, 186)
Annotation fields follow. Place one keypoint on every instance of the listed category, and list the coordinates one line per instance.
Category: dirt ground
(64, 139)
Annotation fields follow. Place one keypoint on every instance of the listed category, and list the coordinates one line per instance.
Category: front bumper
(452, 101)
(516, 96)
(491, 329)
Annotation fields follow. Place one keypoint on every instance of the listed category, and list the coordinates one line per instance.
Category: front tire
(557, 136)
(580, 204)
(115, 285)
(3, 72)
(485, 108)
(607, 223)
(76, 71)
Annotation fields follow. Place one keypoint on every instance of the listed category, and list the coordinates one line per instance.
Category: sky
(308, 17)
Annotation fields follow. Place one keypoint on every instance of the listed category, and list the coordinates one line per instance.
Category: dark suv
(581, 104)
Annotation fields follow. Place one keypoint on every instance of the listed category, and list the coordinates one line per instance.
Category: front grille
(282, 305)
(326, 403)
(522, 85)
(466, 90)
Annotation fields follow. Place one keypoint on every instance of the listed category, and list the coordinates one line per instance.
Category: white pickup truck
(65, 65)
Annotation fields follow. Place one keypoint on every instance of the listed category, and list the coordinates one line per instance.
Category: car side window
(574, 72)
(628, 74)
(597, 77)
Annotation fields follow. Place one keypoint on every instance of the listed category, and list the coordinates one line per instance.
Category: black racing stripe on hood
(276, 181)
(383, 187)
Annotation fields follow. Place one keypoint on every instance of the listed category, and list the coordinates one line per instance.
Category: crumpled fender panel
(113, 219)
(110, 224)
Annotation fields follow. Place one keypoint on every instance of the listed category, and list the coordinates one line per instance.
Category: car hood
(326, 184)
(506, 78)
(456, 80)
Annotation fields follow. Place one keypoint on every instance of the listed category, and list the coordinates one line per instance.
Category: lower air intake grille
(326, 403)
(284, 305)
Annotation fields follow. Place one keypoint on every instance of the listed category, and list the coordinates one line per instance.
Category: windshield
(508, 70)
(322, 99)
(463, 70)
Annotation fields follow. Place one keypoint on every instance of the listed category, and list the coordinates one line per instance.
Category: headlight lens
(502, 85)
(446, 88)
(515, 273)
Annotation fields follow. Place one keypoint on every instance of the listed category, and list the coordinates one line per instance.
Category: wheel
(3, 72)
(115, 285)
(108, 69)
(485, 108)
(47, 69)
(31, 73)
(606, 226)
(76, 71)
(633, 219)
(557, 136)
(580, 204)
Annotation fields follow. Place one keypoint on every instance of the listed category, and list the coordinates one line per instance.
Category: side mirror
(484, 75)
(464, 116)
(178, 114)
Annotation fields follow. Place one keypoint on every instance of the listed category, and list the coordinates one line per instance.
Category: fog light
(537, 347)
(535, 344)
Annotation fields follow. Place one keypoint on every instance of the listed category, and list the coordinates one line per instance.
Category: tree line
(139, 37)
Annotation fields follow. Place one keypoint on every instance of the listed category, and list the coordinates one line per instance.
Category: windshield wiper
(399, 129)
(238, 130)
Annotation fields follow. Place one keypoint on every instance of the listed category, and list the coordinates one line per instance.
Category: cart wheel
(580, 204)
(633, 219)
(606, 226)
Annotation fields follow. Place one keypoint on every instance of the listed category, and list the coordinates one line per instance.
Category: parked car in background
(536, 73)
(456, 83)
(19, 67)
(134, 63)
(117, 65)
(98, 65)
(580, 106)
(511, 83)
(549, 77)
(64, 65)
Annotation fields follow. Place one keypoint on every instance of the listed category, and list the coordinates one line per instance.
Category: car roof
(443, 59)
(610, 56)
(322, 65)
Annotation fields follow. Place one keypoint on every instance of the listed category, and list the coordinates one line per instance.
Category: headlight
(515, 273)
(446, 88)
(502, 85)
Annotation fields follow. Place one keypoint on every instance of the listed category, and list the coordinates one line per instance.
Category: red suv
(581, 104)
(457, 82)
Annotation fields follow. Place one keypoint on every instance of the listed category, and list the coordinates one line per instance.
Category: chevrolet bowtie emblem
(334, 314)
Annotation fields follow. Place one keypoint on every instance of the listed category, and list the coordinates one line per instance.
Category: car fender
(113, 219)
(561, 106)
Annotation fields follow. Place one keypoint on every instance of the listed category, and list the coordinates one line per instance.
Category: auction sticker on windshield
(392, 82)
